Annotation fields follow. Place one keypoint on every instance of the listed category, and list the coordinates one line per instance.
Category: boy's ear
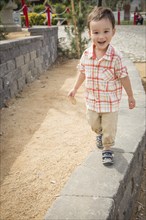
(89, 32)
(114, 31)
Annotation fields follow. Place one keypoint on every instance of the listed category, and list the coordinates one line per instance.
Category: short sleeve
(81, 65)
(120, 67)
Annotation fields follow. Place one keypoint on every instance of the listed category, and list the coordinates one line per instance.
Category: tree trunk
(99, 3)
(76, 31)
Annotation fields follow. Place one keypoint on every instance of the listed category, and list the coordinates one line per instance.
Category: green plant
(34, 19)
(77, 20)
(39, 20)
(39, 8)
(60, 8)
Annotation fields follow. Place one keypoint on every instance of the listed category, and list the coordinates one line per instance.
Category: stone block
(37, 62)
(41, 59)
(3, 69)
(35, 72)
(31, 65)
(1, 85)
(13, 88)
(43, 50)
(80, 208)
(25, 69)
(94, 183)
(14, 52)
(26, 58)
(11, 65)
(29, 77)
(40, 69)
(4, 96)
(19, 61)
(33, 55)
(39, 52)
(10, 82)
(5, 56)
(21, 82)
(24, 49)
(19, 72)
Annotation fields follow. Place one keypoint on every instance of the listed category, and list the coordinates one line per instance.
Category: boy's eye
(106, 31)
(96, 32)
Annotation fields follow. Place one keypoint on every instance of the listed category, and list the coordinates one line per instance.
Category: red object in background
(25, 12)
(118, 17)
(68, 10)
(48, 10)
(135, 18)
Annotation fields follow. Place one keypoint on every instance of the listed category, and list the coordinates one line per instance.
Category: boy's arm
(127, 86)
(80, 79)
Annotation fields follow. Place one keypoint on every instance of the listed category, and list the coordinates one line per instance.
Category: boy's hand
(72, 93)
(131, 102)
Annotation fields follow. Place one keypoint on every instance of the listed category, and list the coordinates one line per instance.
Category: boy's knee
(96, 129)
(94, 123)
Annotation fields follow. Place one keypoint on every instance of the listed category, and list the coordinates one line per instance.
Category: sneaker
(99, 141)
(107, 157)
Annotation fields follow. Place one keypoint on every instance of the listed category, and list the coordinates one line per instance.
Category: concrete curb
(102, 193)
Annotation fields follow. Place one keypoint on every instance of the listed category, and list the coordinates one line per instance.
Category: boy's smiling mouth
(101, 42)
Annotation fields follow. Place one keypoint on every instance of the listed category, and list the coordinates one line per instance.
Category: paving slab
(92, 179)
(89, 208)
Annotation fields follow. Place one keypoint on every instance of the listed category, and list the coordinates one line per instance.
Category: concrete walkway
(128, 38)
(95, 192)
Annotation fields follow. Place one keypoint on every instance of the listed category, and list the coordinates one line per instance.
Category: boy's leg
(94, 119)
(109, 128)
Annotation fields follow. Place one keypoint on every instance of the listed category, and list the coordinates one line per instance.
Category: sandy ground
(18, 34)
(32, 173)
(43, 138)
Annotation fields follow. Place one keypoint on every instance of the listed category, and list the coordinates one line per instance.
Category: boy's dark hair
(99, 13)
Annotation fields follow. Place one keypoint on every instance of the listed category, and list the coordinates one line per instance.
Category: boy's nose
(101, 36)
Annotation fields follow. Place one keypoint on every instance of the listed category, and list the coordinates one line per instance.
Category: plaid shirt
(103, 86)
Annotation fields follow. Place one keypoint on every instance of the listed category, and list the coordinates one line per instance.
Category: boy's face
(101, 33)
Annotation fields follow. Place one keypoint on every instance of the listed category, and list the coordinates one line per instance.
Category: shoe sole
(108, 163)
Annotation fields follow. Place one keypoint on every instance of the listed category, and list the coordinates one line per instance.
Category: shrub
(39, 8)
(34, 19)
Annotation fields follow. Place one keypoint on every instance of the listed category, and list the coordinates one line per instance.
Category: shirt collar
(107, 56)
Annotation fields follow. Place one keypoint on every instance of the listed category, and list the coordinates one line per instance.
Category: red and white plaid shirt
(103, 86)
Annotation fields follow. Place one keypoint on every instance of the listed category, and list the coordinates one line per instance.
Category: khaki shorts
(105, 124)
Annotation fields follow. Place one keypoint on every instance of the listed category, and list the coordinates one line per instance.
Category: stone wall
(23, 60)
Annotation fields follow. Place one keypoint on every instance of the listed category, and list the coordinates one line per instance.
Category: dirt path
(43, 138)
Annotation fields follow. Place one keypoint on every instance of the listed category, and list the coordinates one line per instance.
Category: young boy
(105, 74)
